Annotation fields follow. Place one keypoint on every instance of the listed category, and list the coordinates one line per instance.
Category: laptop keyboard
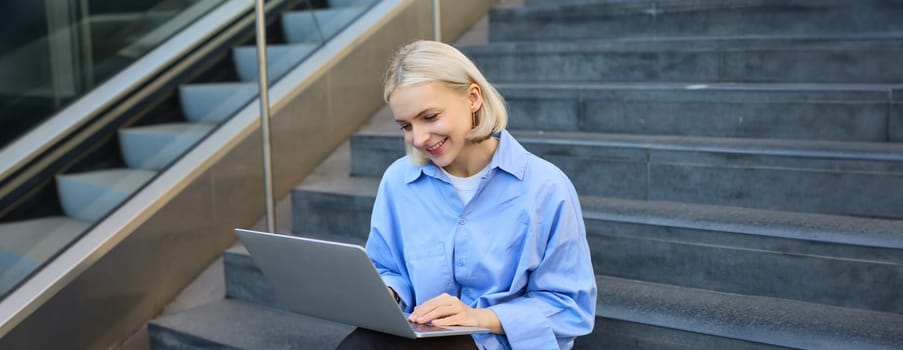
(417, 327)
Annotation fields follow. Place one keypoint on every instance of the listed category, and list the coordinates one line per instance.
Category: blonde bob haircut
(427, 61)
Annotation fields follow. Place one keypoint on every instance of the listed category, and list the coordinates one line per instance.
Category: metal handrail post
(265, 116)
(437, 21)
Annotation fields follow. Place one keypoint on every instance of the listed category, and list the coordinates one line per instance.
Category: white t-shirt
(466, 186)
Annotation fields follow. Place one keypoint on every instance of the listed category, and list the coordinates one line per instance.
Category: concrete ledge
(759, 319)
(847, 59)
(896, 115)
(244, 281)
(829, 259)
(835, 229)
(234, 324)
(570, 19)
(740, 317)
(842, 112)
(785, 255)
(754, 173)
(616, 334)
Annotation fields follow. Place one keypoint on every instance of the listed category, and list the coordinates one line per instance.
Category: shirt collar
(510, 157)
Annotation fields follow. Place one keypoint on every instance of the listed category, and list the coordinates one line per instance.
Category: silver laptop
(333, 281)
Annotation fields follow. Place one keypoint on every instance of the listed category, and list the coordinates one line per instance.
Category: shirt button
(460, 262)
(461, 221)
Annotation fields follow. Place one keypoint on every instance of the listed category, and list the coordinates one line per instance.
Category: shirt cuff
(524, 326)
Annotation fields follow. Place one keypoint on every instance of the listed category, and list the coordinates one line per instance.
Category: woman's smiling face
(436, 119)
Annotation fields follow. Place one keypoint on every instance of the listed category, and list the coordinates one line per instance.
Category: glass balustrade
(64, 48)
(54, 51)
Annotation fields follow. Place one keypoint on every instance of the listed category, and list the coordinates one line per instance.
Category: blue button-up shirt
(518, 247)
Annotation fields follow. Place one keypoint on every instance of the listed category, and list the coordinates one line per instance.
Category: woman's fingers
(438, 307)
(456, 319)
(444, 310)
(438, 312)
(428, 311)
(429, 305)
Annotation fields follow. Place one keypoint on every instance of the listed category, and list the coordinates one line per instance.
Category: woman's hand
(446, 310)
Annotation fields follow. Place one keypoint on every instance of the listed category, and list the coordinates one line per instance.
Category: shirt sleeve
(559, 303)
(383, 249)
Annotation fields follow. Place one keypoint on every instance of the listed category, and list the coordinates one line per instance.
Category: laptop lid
(332, 281)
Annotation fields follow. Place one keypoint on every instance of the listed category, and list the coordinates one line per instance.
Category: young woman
(469, 228)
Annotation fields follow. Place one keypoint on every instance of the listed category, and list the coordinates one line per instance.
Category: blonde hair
(427, 61)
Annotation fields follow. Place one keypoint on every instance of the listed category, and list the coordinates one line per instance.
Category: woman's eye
(406, 127)
(431, 116)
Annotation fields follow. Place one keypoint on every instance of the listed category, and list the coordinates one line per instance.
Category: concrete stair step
(850, 59)
(246, 283)
(92, 195)
(214, 103)
(757, 225)
(351, 196)
(680, 316)
(154, 147)
(829, 259)
(595, 19)
(25, 245)
(774, 321)
(314, 201)
(756, 173)
(316, 26)
(280, 59)
(841, 112)
(234, 324)
(244, 280)
(825, 259)
(618, 334)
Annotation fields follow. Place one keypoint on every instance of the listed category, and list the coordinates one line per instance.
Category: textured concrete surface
(616, 334)
(766, 174)
(852, 233)
(770, 320)
(594, 19)
(836, 260)
(238, 325)
(734, 268)
(244, 281)
(705, 60)
(756, 319)
(896, 116)
(819, 112)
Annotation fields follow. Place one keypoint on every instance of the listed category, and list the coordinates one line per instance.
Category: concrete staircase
(87, 197)
(739, 165)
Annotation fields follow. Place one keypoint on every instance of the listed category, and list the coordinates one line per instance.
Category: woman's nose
(419, 137)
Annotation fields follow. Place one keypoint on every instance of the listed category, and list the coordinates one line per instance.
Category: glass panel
(53, 51)
(90, 48)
